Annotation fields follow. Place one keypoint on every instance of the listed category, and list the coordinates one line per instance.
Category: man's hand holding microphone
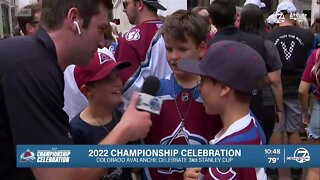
(136, 121)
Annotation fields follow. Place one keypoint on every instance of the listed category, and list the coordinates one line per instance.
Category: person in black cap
(154, 4)
(142, 45)
(231, 74)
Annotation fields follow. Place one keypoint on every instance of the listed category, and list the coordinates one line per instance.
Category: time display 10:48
(272, 151)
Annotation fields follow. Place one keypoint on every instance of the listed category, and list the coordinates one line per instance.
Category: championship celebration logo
(27, 156)
(46, 156)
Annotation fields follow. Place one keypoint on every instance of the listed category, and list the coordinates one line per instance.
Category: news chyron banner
(109, 156)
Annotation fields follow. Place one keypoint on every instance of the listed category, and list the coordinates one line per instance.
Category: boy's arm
(304, 98)
(191, 174)
(68, 173)
(303, 91)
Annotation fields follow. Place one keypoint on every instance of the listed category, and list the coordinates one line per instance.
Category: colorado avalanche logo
(113, 174)
(159, 25)
(104, 58)
(222, 173)
(27, 156)
(155, 104)
(133, 35)
(180, 136)
(183, 136)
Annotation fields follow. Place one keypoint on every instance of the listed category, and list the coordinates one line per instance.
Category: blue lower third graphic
(175, 156)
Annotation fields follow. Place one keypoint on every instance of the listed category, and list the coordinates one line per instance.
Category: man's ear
(72, 17)
(29, 29)
(202, 49)
(85, 91)
(225, 89)
(140, 5)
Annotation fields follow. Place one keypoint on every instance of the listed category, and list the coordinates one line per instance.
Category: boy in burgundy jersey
(182, 119)
(231, 72)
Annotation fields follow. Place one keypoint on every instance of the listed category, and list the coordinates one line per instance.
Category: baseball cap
(230, 62)
(286, 5)
(155, 4)
(255, 2)
(100, 66)
(272, 19)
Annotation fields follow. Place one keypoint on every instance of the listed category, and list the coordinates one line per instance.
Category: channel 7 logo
(301, 155)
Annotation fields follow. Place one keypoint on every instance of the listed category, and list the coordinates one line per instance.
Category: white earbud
(77, 26)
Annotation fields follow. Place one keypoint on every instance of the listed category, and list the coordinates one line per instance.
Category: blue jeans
(313, 129)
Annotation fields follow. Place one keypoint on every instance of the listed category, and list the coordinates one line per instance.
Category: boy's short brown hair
(183, 23)
(240, 96)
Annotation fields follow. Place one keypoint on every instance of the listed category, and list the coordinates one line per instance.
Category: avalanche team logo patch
(27, 156)
(133, 35)
(222, 173)
(104, 58)
(159, 26)
(180, 136)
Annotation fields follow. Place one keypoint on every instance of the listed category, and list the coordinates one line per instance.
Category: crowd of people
(227, 77)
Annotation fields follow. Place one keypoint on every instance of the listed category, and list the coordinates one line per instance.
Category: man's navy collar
(46, 42)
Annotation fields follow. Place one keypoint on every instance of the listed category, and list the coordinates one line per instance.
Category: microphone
(151, 85)
(147, 100)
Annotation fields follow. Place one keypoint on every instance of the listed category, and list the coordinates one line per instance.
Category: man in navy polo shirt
(31, 89)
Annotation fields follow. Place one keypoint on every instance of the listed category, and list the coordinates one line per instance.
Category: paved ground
(284, 174)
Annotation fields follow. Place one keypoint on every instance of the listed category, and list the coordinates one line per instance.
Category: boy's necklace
(103, 126)
(185, 98)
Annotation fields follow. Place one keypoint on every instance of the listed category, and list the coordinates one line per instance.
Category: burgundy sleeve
(307, 76)
(125, 52)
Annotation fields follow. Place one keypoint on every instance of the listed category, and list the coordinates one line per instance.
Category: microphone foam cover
(151, 85)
